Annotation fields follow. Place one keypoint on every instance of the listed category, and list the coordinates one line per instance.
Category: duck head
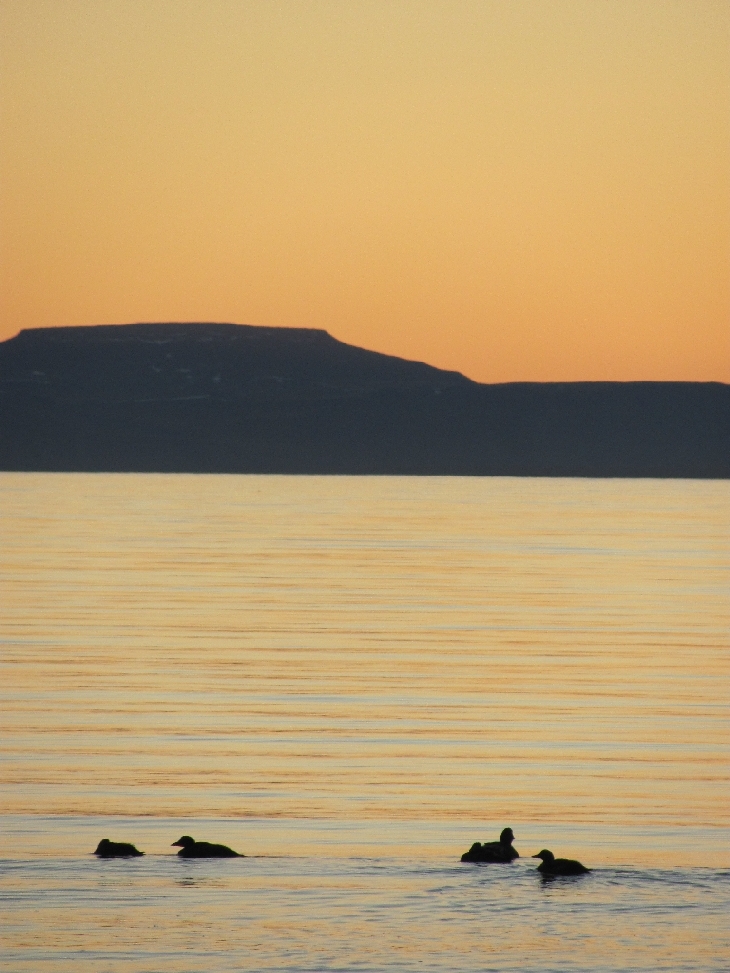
(507, 837)
(185, 842)
(547, 856)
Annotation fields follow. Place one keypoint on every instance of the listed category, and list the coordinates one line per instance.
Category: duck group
(189, 848)
(502, 853)
(493, 852)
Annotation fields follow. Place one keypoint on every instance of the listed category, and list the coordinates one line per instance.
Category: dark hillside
(234, 398)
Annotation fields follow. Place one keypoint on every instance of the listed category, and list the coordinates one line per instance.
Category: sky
(520, 190)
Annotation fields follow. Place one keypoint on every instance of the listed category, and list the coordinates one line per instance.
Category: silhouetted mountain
(241, 399)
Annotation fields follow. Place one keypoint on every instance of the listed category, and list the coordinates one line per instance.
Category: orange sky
(516, 189)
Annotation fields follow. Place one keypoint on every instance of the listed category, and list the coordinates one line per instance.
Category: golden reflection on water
(463, 653)
(302, 915)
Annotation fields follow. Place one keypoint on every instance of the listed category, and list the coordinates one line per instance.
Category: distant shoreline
(221, 398)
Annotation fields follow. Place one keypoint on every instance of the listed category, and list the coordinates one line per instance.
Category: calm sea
(350, 680)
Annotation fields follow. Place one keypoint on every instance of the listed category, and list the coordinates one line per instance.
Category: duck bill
(176, 843)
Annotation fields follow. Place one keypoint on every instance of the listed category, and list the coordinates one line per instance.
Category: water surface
(350, 680)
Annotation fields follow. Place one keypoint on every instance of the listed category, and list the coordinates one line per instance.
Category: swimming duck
(493, 852)
(116, 849)
(189, 848)
(558, 866)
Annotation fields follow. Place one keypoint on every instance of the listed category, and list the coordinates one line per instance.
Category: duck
(493, 852)
(552, 866)
(116, 849)
(190, 848)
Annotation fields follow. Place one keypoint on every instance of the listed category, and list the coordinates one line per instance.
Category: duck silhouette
(552, 866)
(493, 852)
(189, 848)
(116, 849)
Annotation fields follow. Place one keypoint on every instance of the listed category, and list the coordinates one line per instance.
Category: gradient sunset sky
(517, 189)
